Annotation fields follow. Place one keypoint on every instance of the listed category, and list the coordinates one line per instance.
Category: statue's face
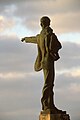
(43, 24)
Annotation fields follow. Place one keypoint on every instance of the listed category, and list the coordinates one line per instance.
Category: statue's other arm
(32, 39)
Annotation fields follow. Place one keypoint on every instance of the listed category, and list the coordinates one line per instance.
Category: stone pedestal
(50, 116)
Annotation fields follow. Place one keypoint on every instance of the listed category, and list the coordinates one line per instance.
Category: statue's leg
(47, 98)
(48, 94)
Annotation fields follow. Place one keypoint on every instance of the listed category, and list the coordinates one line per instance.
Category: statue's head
(45, 21)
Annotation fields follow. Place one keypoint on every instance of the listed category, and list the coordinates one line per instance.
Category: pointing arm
(32, 39)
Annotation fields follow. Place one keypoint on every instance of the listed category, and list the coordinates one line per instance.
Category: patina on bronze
(48, 47)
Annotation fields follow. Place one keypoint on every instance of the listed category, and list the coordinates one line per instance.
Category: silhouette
(48, 46)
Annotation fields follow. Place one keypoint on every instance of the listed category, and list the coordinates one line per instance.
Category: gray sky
(20, 85)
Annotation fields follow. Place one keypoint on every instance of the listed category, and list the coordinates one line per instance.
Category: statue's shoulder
(38, 35)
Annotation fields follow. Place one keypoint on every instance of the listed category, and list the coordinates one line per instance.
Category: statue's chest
(42, 41)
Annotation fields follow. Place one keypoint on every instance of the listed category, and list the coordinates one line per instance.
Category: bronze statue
(48, 47)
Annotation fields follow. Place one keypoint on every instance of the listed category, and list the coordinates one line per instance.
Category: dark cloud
(47, 7)
(20, 98)
(7, 2)
(14, 54)
(30, 12)
(70, 56)
(64, 91)
(65, 80)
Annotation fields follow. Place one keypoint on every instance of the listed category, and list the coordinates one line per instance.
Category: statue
(48, 47)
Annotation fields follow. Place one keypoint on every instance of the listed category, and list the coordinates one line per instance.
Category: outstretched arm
(32, 39)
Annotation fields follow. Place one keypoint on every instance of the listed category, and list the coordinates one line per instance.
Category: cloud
(51, 7)
(20, 86)
(60, 12)
(69, 14)
(17, 97)
(75, 73)
(5, 23)
(68, 86)
(75, 87)
(57, 22)
(7, 2)
(14, 54)
(69, 56)
(66, 23)
(12, 75)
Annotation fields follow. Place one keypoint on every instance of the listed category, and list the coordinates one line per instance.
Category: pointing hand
(23, 39)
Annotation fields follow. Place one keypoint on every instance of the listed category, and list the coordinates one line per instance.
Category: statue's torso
(41, 39)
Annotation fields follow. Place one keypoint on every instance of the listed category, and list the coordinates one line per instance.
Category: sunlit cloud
(16, 75)
(6, 23)
(66, 23)
(74, 72)
(75, 87)
(11, 75)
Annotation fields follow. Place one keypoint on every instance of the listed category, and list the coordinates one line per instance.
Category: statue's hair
(46, 20)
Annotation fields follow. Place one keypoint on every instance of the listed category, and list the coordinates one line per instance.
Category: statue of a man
(48, 47)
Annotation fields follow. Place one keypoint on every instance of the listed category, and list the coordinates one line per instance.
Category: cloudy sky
(20, 85)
